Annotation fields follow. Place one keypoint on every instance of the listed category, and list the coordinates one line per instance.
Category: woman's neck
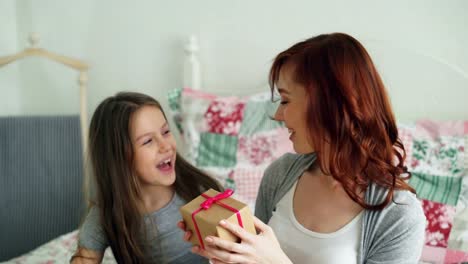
(156, 197)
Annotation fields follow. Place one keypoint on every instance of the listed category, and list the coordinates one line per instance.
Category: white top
(302, 245)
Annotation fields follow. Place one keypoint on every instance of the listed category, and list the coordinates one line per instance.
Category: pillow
(437, 160)
(232, 138)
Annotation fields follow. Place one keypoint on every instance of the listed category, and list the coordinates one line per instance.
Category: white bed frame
(191, 72)
(427, 82)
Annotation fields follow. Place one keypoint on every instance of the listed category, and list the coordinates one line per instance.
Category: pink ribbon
(207, 205)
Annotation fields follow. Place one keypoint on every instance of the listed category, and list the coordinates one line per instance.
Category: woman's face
(293, 110)
(154, 147)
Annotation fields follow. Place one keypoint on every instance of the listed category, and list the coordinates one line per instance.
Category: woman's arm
(86, 256)
(399, 234)
(403, 248)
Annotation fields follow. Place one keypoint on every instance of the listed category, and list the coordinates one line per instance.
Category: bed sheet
(58, 250)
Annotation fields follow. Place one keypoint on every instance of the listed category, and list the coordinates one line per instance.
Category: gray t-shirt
(167, 246)
(394, 235)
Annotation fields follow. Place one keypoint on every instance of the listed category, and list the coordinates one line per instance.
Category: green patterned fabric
(256, 118)
(173, 97)
(217, 150)
(441, 155)
(442, 189)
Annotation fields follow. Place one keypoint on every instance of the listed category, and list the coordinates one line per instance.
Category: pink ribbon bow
(210, 200)
(207, 205)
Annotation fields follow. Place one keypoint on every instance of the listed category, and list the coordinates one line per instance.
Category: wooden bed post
(70, 63)
(83, 81)
(78, 65)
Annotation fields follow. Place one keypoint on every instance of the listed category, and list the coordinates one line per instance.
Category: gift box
(202, 216)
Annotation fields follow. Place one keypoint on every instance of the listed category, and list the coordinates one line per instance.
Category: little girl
(141, 182)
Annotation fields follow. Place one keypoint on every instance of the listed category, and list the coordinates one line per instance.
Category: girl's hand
(188, 233)
(263, 248)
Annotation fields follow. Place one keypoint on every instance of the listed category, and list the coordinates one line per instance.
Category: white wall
(10, 93)
(137, 45)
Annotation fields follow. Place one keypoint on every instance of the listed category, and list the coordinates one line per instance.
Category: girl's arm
(92, 240)
(86, 256)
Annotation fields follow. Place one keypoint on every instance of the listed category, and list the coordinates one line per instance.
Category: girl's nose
(279, 114)
(164, 146)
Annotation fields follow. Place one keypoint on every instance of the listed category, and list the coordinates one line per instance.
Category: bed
(232, 138)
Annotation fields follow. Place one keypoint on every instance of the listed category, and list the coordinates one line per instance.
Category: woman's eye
(147, 141)
(166, 132)
(283, 102)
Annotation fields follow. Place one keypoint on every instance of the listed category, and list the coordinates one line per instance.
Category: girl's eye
(147, 141)
(280, 100)
(167, 132)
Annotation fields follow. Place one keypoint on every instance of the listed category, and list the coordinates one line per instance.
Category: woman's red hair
(350, 121)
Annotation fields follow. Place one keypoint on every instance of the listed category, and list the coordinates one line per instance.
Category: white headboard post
(191, 78)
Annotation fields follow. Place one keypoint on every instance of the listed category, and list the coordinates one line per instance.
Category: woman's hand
(262, 248)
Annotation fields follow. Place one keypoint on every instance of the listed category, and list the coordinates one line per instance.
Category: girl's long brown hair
(117, 194)
(350, 121)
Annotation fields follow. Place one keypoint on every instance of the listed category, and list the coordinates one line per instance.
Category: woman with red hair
(344, 197)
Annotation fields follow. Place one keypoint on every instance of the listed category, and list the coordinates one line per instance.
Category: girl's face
(293, 110)
(154, 147)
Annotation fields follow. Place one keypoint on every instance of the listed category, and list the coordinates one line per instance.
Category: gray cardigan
(392, 235)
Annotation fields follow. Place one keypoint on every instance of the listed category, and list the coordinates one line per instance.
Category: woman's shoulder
(286, 168)
(290, 161)
(405, 209)
(400, 226)
(376, 194)
(408, 205)
(283, 162)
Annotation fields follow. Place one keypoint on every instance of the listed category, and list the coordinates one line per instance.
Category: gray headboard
(41, 176)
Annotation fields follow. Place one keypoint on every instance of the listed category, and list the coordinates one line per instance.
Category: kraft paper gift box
(202, 216)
